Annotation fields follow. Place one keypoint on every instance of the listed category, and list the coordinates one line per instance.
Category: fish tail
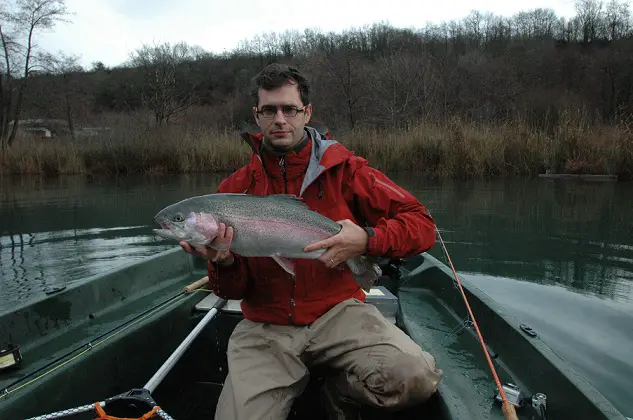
(365, 270)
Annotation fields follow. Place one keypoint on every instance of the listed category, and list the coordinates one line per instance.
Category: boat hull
(430, 309)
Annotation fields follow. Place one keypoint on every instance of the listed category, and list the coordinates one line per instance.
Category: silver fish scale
(264, 225)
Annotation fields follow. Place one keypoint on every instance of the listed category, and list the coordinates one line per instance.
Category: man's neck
(280, 152)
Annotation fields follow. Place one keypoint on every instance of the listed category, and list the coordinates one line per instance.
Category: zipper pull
(282, 163)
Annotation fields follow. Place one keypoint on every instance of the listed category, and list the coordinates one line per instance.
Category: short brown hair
(277, 75)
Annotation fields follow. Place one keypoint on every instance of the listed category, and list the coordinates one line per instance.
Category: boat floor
(467, 386)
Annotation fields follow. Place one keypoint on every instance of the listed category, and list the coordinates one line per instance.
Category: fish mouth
(168, 234)
(166, 231)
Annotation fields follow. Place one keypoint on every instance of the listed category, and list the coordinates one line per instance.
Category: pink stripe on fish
(279, 226)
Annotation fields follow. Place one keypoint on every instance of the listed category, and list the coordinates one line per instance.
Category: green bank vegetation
(483, 96)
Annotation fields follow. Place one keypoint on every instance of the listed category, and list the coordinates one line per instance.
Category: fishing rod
(507, 408)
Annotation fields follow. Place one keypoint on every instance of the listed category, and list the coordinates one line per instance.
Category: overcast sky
(108, 30)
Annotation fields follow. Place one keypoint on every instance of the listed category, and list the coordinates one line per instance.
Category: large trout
(278, 226)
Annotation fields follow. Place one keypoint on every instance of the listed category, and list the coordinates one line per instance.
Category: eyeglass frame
(277, 108)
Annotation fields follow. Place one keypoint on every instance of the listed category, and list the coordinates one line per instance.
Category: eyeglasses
(269, 111)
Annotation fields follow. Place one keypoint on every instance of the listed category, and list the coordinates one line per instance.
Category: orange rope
(508, 408)
(103, 416)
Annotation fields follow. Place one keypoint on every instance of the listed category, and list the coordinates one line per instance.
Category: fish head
(181, 224)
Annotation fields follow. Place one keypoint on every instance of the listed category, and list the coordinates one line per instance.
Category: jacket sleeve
(400, 226)
(229, 282)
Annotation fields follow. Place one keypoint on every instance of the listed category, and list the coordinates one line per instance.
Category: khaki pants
(378, 364)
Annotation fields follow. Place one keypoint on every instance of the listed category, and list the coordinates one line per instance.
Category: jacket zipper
(282, 163)
(292, 302)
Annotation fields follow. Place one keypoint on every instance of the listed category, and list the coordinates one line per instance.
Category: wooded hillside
(535, 69)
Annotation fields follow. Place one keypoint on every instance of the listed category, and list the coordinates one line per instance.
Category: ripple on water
(34, 263)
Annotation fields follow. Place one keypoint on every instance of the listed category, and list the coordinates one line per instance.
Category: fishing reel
(538, 401)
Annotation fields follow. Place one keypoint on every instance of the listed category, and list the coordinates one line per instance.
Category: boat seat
(383, 299)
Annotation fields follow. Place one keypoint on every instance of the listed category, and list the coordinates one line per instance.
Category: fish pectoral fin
(285, 263)
(288, 199)
(220, 245)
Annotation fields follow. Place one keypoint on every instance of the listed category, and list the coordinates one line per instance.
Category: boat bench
(380, 297)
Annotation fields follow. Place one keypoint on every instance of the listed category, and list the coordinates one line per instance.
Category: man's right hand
(222, 240)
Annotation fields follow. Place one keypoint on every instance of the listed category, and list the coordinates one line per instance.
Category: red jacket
(339, 185)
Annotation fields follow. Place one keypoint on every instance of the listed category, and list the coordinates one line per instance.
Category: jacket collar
(324, 154)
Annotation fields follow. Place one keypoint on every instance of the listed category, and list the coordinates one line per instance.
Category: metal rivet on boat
(528, 330)
(10, 357)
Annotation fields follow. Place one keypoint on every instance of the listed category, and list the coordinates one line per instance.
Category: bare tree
(22, 23)
(66, 67)
(589, 16)
(403, 86)
(344, 76)
(163, 92)
(473, 23)
(617, 17)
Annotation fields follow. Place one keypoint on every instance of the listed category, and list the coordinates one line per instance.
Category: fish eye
(178, 217)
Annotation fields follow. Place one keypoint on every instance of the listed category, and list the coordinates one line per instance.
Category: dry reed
(455, 149)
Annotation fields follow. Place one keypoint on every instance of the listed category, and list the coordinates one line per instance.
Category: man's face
(281, 131)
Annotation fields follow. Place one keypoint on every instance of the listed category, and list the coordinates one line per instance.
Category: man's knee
(405, 381)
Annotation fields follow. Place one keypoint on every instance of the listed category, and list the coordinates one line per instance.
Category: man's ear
(255, 115)
(308, 113)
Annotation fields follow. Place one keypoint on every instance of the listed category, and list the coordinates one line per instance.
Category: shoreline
(431, 150)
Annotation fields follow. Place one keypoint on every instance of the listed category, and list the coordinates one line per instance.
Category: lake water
(558, 255)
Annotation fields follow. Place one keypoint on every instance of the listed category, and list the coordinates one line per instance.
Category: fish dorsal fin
(289, 198)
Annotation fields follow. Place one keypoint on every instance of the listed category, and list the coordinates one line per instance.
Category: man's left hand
(350, 242)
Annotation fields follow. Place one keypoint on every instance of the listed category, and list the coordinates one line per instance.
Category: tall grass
(456, 149)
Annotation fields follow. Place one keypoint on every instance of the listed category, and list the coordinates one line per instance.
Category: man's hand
(222, 240)
(350, 242)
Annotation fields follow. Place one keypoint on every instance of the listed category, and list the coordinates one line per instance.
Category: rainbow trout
(279, 226)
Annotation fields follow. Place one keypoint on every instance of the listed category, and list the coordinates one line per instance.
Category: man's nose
(280, 118)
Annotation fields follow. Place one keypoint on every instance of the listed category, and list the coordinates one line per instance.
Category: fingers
(221, 230)
(188, 248)
(331, 258)
(198, 252)
(223, 240)
(326, 243)
(222, 243)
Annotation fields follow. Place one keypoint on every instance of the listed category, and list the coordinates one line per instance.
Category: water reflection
(578, 235)
(56, 232)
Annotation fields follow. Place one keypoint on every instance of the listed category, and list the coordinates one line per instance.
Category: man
(318, 316)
